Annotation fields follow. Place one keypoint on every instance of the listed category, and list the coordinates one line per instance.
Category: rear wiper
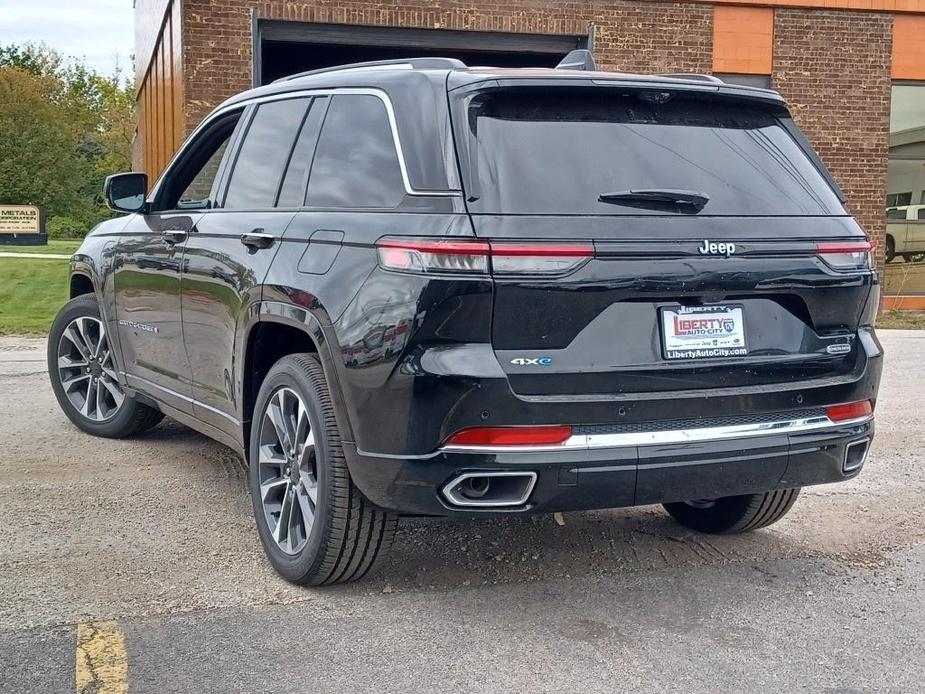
(657, 197)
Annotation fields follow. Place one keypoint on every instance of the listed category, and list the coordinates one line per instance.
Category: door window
(292, 192)
(198, 192)
(189, 184)
(356, 163)
(264, 154)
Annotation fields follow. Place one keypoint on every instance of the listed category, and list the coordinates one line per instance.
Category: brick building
(839, 63)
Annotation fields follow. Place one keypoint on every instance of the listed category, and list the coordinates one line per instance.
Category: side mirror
(126, 192)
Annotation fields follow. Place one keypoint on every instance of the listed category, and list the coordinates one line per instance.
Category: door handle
(172, 236)
(257, 239)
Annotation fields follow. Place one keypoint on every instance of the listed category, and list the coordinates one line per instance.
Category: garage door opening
(286, 48)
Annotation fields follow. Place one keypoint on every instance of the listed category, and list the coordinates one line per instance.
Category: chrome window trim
(676, 436)
(306, 93)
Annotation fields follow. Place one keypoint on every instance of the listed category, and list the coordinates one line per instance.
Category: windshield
(567, 151)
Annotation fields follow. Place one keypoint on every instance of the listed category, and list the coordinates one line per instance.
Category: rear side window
(292, 191)
(896, 213)
(264, 154)
(556, 151)
(356, 163)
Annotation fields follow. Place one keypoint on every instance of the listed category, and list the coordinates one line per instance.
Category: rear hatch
(653, 240)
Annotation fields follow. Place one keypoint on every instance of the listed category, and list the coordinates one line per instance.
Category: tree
(63, 128)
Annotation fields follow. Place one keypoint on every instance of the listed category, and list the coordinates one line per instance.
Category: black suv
(414, 287)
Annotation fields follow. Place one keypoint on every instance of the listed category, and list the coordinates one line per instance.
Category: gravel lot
(157, 534)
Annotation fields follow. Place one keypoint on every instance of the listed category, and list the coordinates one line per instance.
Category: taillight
(423, 255)
(433, 255)
(846, 255)
(511, 436)
(538, 258)
(849, 410)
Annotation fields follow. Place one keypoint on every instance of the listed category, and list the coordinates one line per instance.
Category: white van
(905, 233)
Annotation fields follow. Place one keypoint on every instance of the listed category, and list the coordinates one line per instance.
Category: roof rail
(399, 63)
(691, 76)
(579, 59)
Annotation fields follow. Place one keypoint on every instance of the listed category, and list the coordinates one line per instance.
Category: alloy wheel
(86, 370)
(287, 470)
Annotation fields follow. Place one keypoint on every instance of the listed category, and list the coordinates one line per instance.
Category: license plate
(703, 332)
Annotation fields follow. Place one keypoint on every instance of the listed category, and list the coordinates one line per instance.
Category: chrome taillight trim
(653, 438)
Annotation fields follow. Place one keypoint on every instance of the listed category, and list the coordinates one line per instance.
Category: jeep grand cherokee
(414, 287)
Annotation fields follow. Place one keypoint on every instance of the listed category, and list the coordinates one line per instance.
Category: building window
(905, 191)
(897, 199)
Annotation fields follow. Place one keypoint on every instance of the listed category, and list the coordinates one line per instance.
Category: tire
(889, 252)
(734, 514)
(315, 526)
(105, 415)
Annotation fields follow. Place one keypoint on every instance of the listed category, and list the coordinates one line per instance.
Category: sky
(100, 31)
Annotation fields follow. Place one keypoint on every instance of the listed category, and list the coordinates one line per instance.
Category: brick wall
(833, 67)
(653, 37)
(630, 36)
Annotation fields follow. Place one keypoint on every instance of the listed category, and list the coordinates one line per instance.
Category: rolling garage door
(284, 48)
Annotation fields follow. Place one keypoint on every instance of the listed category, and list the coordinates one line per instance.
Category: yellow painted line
(102, 665)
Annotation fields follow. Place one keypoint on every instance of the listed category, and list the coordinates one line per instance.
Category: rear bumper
(649, 472)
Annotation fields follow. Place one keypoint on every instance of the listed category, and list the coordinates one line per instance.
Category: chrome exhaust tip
(855, 455)
(489, 489)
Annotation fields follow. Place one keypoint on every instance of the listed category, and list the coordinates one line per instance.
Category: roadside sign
(22, 224)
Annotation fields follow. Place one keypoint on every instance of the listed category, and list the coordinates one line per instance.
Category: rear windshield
(556, 152)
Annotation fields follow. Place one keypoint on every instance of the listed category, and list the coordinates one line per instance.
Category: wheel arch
(277, 330)
(80, 284)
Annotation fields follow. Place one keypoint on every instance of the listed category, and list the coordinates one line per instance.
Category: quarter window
(264, 154)
(356, 164)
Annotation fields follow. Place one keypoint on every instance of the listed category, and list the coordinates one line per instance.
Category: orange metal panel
(908, 47)
(176, 69)
(743, 39)
(158, 85)
(149, 17)
(903, 303)
(167, 64)
(912, 6)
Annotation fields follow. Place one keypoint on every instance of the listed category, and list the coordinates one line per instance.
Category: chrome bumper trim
(656, 438)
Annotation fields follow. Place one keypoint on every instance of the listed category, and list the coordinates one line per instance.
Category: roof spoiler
(579, 59)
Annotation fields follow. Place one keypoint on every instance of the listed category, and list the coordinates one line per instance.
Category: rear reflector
(846, 255)
(428, 255)
(511, 436)
(850, 410)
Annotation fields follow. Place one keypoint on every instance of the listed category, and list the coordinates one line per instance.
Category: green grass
(31, 292)
(67, 246)
(914, 320)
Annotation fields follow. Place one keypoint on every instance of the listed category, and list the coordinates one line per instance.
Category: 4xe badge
(708, 247)
(532, 361)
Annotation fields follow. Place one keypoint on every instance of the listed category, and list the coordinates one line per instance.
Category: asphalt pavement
(134, 566)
